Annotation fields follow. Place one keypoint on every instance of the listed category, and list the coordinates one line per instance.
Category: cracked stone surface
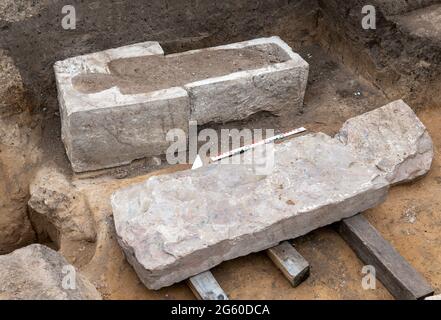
(174, 226)
(37, 272)
(393, 139)
(110, 127)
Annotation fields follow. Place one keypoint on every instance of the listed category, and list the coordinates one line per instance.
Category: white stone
(276, 88)
(175, 226)
(37, 272)
(108, 128)
(393, 139)
(437, 297)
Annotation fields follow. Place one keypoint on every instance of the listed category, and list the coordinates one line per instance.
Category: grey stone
(58, 209)
(108, 128)
(276, 88)
(393, 139)
(422, 23)
(36, 272)
(175, 226)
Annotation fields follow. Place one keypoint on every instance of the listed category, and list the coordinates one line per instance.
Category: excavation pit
(118, 105)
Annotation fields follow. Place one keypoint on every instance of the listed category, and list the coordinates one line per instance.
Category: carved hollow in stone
(118, 105)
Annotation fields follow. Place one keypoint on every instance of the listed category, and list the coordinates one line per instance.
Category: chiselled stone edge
(286, 229)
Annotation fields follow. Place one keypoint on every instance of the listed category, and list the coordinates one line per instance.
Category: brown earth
(150, 73)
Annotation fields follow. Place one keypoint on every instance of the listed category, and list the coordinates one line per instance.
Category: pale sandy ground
(410, 219)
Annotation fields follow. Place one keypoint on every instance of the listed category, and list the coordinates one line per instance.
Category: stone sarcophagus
(118, 105)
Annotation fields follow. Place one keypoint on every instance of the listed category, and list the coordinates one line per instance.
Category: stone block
(175, 226)
(37, 272)
(277, 87)
(172, 227)
(118, 105)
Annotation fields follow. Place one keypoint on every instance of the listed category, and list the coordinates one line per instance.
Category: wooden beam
(293, 266)
(205, 287)
(396, 274)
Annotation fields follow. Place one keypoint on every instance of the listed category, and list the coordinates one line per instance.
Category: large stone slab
(37, 272)
(118, 105)
(393, 139)
(174, 226)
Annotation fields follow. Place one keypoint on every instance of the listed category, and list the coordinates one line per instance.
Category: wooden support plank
(205, 287)
(292, 264)
(396, 274)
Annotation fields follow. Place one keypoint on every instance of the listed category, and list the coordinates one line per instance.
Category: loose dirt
(150, 73)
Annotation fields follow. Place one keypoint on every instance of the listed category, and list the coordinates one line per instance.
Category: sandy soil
(410, 218)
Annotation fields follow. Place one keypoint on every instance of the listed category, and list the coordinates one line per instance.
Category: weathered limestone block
(12, 93)
(118, 105)
(393, 139)
(19, 152)
(58, 210)
(276, 88)
(109, 128)
(437, 297)
(37, 272)
(174, 226)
